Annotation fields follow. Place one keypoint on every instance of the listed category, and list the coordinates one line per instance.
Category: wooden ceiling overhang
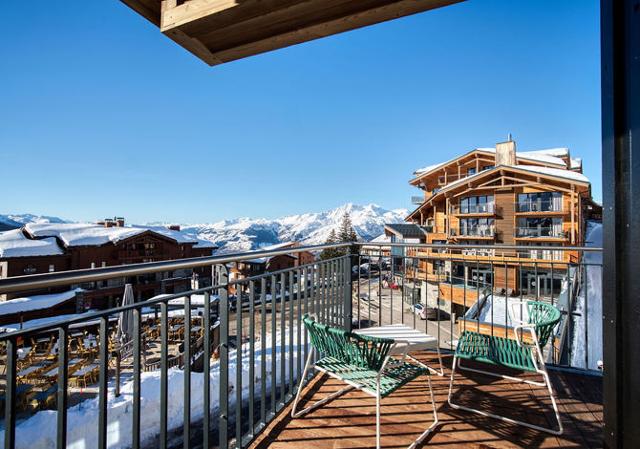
(516, 176)
(219, 31)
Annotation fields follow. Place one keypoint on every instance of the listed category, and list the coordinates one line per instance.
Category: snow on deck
(37, 302)
(14, 243)
(39, 430)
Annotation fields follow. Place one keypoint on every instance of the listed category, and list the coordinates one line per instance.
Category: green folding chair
(516, 354)
(363, 363)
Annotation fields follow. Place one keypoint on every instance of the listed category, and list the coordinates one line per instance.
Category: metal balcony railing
(417, 200)
(227, 357)
(535, 232)
(539, 206)
(473, 231)
(487, 208)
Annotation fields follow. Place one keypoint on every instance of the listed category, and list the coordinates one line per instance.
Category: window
(487, 167)
(481, 227)
(540, 227)
(477, 204)
(471, 171)
(540, 202)
(29, 269)
(52, 268)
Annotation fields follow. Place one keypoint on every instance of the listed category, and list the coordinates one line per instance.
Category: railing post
(224, 358)
(347, 299)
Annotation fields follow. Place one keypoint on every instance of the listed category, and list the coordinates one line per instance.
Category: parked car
(429, 313)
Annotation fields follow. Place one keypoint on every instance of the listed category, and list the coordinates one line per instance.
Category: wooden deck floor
(349, 421)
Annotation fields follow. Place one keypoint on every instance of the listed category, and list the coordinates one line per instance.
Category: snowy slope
(244, 234)
(18, 220)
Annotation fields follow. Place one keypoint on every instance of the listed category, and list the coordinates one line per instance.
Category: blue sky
(101, 115)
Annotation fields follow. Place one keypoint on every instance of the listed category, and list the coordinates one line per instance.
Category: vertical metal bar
(585, 282)
(348, 294)
(402, 299)
(274, 347)
(391, 276)
(252, 354)
(299, 297)
(10, 396)
(206, 371)
(223, 420)
(102, 382)
(283, 347)
(380, 288)
(63, 384)
(358, 293)
(291, 331)
(137, 348)
(369, 289)
(305, 273)
(164, 380)
(238, 386)
(263, 350)
(186, 436)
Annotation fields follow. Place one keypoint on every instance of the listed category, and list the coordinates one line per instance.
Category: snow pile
(15, 244)
(36, 302)
(245, 234)
(592, 328)
(39, 431)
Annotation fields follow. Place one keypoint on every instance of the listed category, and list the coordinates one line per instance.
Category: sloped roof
(14, 243)
(405, 230)
(37, 302)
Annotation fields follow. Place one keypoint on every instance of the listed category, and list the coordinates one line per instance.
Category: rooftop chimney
(506, 152)
(109, 223)
(174, 227)
(119, 222)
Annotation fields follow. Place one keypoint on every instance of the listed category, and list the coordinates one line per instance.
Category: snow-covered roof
(37, 302)
(382, 238)
(14, 243)
(568, 174)
(87, 234)
(556, 172)
(549, 156)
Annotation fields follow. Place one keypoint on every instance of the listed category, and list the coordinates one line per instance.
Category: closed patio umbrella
(125, 318)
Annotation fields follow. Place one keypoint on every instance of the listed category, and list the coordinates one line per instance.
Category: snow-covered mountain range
(13, 221)
(243, 234)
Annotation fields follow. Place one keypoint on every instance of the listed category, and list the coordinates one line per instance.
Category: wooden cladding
(219, 31)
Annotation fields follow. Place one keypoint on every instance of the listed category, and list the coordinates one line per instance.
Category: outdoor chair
(363, 363)
(512, 353)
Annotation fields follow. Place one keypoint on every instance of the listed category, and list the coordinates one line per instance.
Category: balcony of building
(482, 210)
(236, 359)
(541, 233)
(473, 233)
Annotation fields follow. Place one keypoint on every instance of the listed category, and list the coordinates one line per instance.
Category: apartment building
(500, 197)
(49, 247)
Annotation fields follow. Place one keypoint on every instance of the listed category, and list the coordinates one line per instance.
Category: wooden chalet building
(49, 247)
(496, 197)
(254, 267)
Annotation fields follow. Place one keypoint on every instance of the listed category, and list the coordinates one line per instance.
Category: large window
(540, 202)
(477, 204)
(481, 227)
(540, 227)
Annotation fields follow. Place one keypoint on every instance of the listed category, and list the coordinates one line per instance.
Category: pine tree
(330, 253)
(347, 234)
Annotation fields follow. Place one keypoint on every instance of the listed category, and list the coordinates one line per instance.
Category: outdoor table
(32, 369)
(408, 340)
(54, 371)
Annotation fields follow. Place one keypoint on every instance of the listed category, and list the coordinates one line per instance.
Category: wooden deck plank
(349, 421)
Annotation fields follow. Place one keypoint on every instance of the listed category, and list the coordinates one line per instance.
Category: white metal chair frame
(376, 393)
(540, 368)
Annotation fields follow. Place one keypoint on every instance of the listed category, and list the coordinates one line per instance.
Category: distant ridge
(244, 234)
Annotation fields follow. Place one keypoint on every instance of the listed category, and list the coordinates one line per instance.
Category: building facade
(499, 197)
(50, 247)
